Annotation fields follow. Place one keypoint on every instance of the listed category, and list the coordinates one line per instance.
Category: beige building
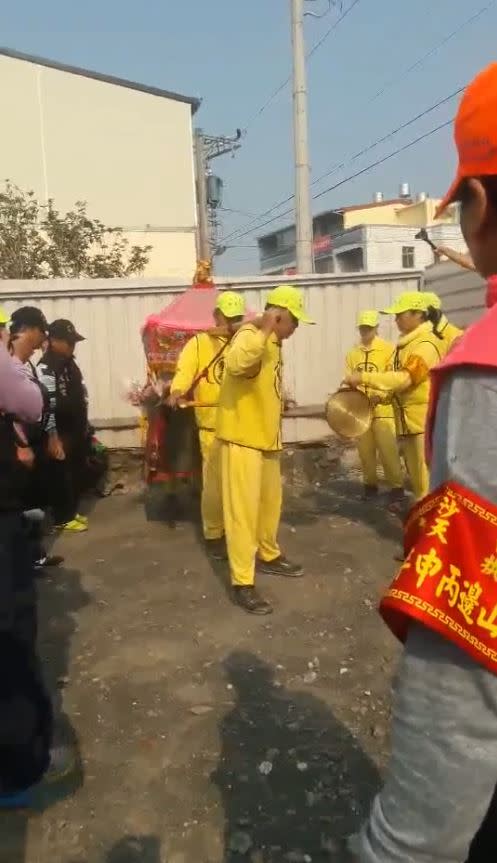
(124, 148)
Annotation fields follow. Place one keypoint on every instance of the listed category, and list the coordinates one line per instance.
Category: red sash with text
(448, 581)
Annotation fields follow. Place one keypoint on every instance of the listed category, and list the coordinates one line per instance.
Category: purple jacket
(18, 395)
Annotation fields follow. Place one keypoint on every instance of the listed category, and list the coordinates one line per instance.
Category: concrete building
(373, 237)
(124, 148)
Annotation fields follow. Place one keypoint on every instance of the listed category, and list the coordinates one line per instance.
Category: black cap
(29, 317)
(65, 331)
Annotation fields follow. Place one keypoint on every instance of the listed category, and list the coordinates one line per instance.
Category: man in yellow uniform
(199, 373)
(441, 326)
(249, 429)
(407, 381)
(373, 354)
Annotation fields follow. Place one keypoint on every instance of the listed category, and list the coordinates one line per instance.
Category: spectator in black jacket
(67, 426)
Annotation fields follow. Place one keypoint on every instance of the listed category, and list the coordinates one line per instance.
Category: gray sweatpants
(443, 770)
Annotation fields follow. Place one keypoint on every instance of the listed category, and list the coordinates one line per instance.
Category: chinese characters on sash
(448, 581)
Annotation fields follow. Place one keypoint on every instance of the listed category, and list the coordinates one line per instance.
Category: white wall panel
(111, 312)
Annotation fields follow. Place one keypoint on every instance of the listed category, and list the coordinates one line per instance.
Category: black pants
(65, 481)
(25, 709)
(63, 497)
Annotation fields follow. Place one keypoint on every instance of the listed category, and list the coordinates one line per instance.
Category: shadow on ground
(135, 849)
(294, 781)
(60, 597)
(342, 498)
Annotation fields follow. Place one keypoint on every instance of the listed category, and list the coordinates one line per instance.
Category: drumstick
(224, 331)
(194, 404)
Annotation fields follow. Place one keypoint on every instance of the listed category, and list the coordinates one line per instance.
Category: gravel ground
(205, 735)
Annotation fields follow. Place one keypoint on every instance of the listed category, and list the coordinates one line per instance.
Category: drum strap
(205, 371)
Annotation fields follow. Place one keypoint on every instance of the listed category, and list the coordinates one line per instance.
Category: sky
(385, 63)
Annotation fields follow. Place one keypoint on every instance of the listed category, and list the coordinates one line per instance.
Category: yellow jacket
(250, 404)
(374, 358)
(198, 356)
(449, 333)
(408, 380)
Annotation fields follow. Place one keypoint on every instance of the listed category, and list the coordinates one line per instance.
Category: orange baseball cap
(475, 132)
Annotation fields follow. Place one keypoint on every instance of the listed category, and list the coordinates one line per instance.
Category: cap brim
(303, 318)
(63, 337)
(391, 311)
(450, 197)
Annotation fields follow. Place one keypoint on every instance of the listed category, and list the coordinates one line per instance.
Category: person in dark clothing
(67, 426)
(26, 720)
(29, 323)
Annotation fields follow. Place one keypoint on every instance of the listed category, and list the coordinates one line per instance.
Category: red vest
(477, 347)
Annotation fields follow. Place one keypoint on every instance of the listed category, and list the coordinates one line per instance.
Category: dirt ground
(206, 735)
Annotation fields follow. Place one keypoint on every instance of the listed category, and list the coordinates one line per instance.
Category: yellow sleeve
(186, 368)
(387, 355)
(415, 371)
(387, 382)
(429, 354)
(245, 351)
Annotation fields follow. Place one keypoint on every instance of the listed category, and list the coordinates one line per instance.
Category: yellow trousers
(211, 501)
(381, 439)
(413, 450)
(252, 494)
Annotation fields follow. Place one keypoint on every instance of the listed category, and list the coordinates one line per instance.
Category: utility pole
(303, 217)
(207, 148)
(203, 239)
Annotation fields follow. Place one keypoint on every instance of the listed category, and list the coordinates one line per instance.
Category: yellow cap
(4, 317)
(290, 298)
(231, 305)
(410, 301)
(368, 319)
(433, 300)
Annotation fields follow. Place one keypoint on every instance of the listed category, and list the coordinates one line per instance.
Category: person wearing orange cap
(198, 375)
(372, 354)
(439, 801)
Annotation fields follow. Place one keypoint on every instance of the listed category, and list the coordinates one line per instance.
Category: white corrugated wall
(110, 313)
(462, 291)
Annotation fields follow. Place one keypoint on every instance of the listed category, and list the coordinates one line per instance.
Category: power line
(385, 158)
(309, 54)
(419, 62)
(239, 212)
(257, 218)
(235, 233)
(357, 173)
(333, 27)
(411, 68)
(389, 135)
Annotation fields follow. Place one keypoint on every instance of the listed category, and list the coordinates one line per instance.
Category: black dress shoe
(396, 496)
(281, 566)
(216, 549)
(49, 561)
(248, 599)
(370, 492)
